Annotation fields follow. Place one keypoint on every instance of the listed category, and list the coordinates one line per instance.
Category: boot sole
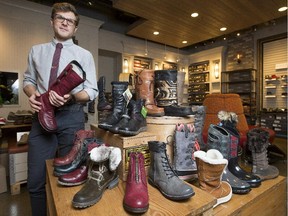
(110, 186)
(132, 133)
(71, 184)
(183, 197)
(135, 210)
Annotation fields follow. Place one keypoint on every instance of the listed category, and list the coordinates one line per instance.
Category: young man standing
(69, 113)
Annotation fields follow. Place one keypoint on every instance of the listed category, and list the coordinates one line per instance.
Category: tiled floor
(18, 205)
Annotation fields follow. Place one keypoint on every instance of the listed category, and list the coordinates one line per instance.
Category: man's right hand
(35, 105)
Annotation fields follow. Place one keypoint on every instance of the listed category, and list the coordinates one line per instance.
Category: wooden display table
(60, 201)
(268, 199)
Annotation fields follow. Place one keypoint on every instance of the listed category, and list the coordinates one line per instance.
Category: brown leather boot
(210, 167)
(136, 199)
(72, 76)
(102, 174)
(144, 86)
(80, 136)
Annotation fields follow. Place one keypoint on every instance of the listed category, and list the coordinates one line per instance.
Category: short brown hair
(65, 7)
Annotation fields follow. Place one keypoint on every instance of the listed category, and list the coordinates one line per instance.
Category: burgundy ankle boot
(66, 82)
(80, 136)
(136, 199)
(77, 177)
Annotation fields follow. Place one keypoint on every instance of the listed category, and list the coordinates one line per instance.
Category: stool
(3, 182)
(17, 166)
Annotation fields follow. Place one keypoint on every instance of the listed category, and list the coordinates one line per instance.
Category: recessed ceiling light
(184, 42)
(156, 33)
(282, 9)
(238, 34)
(194, 14)
(223, 29)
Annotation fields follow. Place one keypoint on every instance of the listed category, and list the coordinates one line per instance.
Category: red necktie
(55, 63)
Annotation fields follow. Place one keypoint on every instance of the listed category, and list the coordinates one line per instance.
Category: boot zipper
(136, 169)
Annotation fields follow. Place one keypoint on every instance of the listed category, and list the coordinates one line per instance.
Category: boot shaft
(184, 147)
(72, 76)
(136, 172)
(210, 167)
(144, 85)
(119, 102)
(166, 87)
(218, 138)
(180, 86)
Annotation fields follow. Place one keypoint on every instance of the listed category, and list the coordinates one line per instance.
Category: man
(69, 113)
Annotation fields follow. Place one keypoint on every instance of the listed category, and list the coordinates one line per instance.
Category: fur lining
(115, 158)
(100, 154)
(212, 156)
(227, 116)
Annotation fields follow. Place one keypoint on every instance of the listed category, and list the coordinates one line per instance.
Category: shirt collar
(66, 43)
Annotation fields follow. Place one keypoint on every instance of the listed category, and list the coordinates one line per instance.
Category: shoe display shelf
(59, 201)
(127, 144)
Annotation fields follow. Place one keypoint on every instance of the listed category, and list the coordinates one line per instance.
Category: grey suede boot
(199, 116)
(218, 138)
(258, 141)
(185, 144)
(163, 177)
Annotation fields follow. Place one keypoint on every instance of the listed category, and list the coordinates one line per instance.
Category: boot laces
(167, 167)
(97, 175)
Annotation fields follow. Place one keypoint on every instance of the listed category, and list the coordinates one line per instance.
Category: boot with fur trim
(258, 141)
(102, 174)
(210, 167)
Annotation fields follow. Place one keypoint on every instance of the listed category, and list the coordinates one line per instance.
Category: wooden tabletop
(60, 201)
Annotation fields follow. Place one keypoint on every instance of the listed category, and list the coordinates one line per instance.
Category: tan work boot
(210, 167)
(144, 86)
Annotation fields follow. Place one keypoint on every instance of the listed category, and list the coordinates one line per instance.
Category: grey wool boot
(185, 144)
(199, 113)
(258, 141)
(102, 174)
(163, 177)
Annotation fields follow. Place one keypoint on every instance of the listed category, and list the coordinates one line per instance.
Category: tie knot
(59, 46)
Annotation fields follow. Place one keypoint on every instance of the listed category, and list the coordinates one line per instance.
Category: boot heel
(113, 183)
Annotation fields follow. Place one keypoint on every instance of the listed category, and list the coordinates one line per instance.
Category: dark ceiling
(140, 18)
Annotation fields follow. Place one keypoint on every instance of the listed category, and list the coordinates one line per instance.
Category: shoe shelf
(242, 82)
(199, 82)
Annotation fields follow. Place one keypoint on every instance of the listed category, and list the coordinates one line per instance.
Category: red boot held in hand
(66, 82)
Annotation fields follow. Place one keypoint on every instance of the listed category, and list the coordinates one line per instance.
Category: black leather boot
(119, 104)
(103, 104)
(137, 122)
(123, 120)
(166, 93)
(80, 157)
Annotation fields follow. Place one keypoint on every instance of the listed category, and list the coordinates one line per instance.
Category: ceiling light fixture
(156, 33)
(194, 15)
(238, 34)
(184, 42)
(282, 9)
(223, 29)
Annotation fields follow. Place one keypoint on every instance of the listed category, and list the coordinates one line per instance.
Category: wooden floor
(18, 205)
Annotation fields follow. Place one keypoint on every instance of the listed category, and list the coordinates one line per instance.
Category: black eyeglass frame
(61, 19)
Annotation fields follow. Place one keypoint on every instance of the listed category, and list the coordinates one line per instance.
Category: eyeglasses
(61, 19)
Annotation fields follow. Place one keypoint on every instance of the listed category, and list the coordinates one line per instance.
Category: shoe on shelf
(2, 121)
